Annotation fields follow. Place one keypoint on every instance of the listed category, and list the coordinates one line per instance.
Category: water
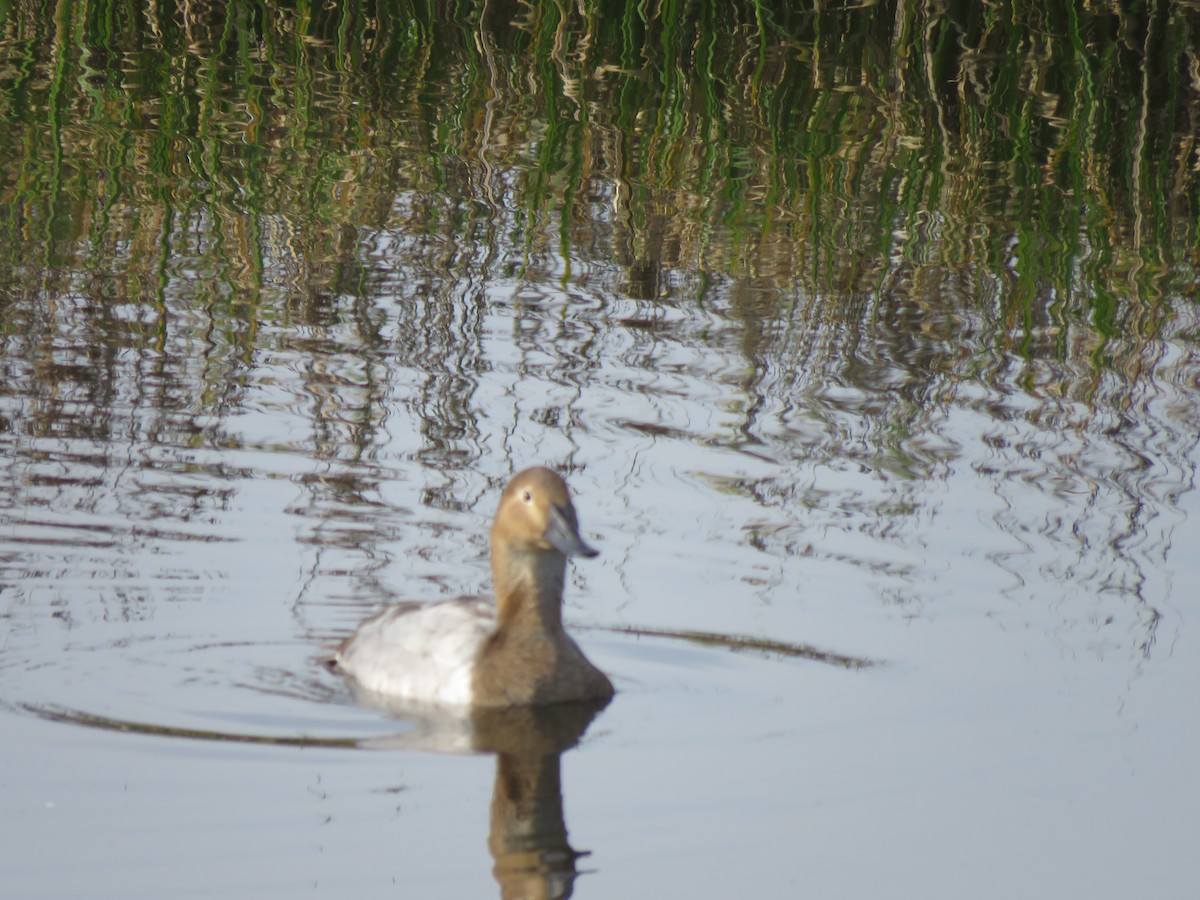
(895, 492)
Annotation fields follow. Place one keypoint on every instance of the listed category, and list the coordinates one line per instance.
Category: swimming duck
(473, 651)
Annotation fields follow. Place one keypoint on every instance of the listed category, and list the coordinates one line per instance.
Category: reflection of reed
(704, 166)
(780, 148)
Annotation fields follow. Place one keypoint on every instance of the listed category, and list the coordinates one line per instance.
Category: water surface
(866, 339)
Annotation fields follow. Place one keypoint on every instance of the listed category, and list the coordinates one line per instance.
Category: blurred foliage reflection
(927, 181)
(1046, 155)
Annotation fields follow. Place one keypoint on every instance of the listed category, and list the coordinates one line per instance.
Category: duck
(510, 650)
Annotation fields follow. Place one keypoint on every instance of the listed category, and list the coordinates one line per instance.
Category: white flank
(421, 653)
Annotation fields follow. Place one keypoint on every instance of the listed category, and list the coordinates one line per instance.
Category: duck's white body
(422, 653)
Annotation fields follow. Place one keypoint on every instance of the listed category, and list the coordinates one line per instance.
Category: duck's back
(425, 653)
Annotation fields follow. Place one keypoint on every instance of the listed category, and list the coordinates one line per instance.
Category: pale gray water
(1020, 571)
(871, 331)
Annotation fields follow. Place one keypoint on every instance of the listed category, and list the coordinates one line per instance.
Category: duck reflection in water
(501, 676)
(527, 837)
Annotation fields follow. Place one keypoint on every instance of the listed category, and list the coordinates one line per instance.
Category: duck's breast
(423, 653)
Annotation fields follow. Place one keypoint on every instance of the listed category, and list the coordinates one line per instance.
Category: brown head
(536, 515)
(534, 532)
(529, 658)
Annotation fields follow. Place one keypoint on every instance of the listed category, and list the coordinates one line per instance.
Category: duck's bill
(563, 535)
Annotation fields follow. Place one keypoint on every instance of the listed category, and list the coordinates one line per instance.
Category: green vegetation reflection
(1037, 164)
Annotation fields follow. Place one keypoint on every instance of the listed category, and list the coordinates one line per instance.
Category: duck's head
(536, 514)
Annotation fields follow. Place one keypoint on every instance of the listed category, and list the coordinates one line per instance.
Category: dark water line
(742, 644)
(105, 723)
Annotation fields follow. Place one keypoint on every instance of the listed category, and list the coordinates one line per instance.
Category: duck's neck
(529, 586)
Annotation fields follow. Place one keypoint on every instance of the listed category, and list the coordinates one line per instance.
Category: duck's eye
(527, 496)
